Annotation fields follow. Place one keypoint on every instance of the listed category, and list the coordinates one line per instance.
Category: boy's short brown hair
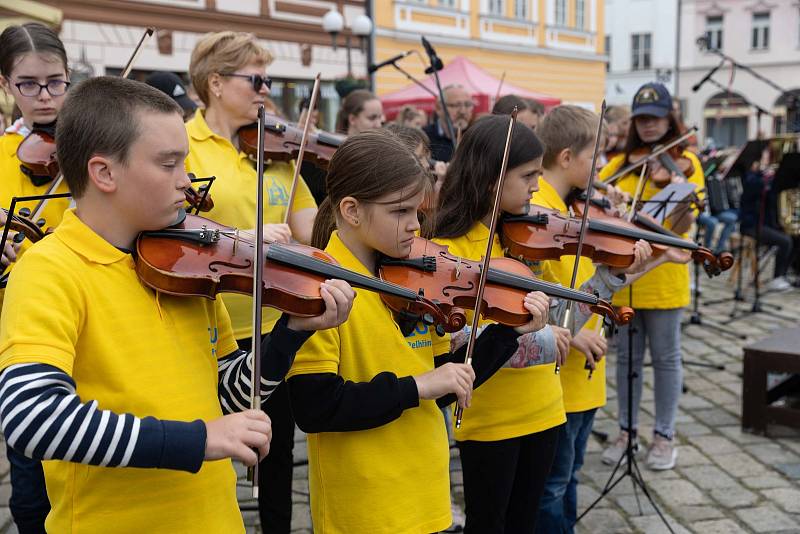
(100, 117)
(566, 127)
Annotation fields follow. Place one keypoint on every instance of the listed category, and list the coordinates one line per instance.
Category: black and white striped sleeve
(42, 417)
(278, 349)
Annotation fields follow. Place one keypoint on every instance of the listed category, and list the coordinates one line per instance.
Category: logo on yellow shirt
(421, 330)
(278, 196)
(213, 337)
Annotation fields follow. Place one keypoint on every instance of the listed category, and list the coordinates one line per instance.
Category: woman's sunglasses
(257, 80)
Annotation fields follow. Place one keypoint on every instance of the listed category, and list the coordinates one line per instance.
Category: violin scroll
(713, 265)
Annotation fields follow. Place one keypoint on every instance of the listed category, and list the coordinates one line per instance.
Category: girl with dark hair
(508, 438)
(34, 73)
(659, 297)
(529, 112)
(366, 392)
(361, 111)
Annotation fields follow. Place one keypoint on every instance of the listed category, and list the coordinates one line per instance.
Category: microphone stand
(435, 63)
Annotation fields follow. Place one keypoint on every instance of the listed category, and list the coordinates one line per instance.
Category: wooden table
(778, 353)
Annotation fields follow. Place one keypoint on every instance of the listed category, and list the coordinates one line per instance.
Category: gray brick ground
(726, 481)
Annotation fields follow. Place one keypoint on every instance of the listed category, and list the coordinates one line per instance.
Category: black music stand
(787, 176)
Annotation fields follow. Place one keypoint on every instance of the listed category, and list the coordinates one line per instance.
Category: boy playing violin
(100, 374)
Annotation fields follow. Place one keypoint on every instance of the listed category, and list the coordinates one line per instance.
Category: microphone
(696, 87)
(436, 63)
(390, 61)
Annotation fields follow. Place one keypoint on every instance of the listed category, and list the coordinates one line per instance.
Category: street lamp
(333, 23)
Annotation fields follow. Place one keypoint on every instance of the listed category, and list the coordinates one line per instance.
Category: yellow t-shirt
(666, 286)
(515, 401)
(580, 393)
(235, 202)
(14, 183)
(394, 478)
(75, 302)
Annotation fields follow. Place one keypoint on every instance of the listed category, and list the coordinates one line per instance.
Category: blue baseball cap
(652, 99)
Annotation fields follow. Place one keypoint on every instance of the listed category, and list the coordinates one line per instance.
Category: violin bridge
(235, 240)
(458, 268)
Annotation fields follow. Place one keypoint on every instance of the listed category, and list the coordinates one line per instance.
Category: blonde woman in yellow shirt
(228, 71)
(658, 298)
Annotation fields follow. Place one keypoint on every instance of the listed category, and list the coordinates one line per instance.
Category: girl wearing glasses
(228, 71)
(33, 72)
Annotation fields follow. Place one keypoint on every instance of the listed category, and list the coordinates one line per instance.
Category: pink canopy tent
(482, 85)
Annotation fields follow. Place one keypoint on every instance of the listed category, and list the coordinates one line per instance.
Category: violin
(24, 226)
(282, 142)
(199, 257)
(664, 167)
(661, 168)
(548, 234)
(37, 156)
(452, 281)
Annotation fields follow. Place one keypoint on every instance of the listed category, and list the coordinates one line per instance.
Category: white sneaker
(778, 284)
(662, 454)
(615, 451)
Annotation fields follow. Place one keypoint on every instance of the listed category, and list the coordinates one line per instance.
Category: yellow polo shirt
(394, 478)
(234, 198)
(666, 286)
(75, 302)
(580, 393)
(515, 401)
(13, 183)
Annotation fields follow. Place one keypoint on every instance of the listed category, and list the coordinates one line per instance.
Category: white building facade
(641, 46)
(762, 35)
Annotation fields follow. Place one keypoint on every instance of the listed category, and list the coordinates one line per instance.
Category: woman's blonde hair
(223, 52)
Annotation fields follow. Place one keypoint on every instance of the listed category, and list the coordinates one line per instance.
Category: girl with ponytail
(367, 395)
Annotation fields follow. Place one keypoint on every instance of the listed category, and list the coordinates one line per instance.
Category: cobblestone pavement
(725, 481)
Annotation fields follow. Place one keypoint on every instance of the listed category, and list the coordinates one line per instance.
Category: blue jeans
(28, 503)
(709, 224)
(559, 505)
(661, 329)
(728, 218)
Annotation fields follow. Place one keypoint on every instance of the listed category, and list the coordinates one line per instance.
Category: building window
(497, 7)
(580, 14)
(714, 33)
(561, 12)
(640, 51)
(521, 9)
(608, 53)
(760, 38)
(447, 3)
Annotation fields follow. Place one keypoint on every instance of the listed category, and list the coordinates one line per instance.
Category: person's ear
(100, 173)
(564, 158)
(351, 211)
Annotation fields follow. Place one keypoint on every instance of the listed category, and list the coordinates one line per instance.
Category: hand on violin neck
(451, 377)
(10, 252)
(338, 297)
(538, 305)
(642, 253)
(617, 197)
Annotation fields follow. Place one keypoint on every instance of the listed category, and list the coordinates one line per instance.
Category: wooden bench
(778, 353)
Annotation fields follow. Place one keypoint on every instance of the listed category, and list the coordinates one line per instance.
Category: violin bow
(638, 193)
(566, 320)
(37, 211)
(653, 155)
(476, 318)
(303, 141)
(129, 66)
(258, 276)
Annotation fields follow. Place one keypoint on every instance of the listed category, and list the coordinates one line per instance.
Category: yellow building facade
(549, 46)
